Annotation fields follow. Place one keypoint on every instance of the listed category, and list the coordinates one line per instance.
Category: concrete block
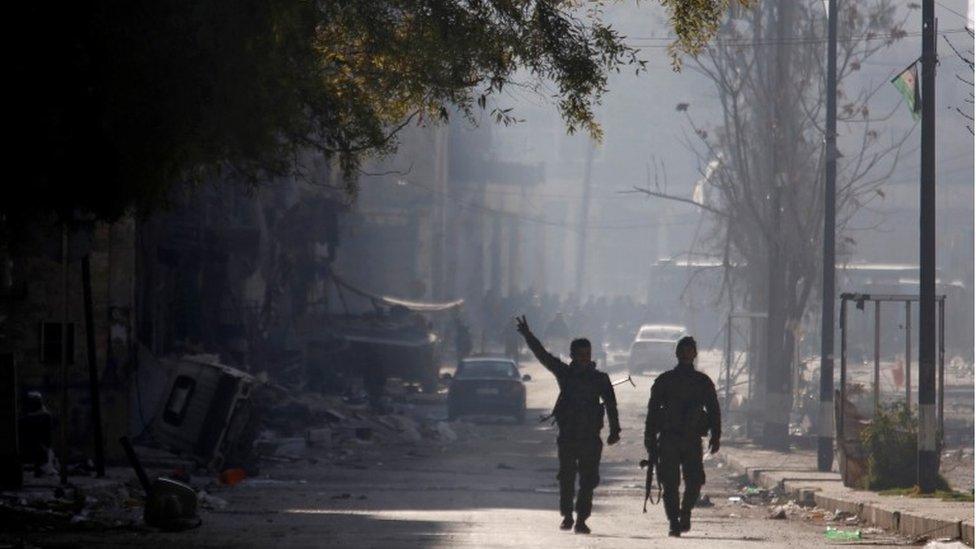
(917, 525)
(838, 503)
(967, 532)
(804, 497)
(881, 516)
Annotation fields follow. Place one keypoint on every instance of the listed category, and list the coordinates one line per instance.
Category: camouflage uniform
(579, 415)
(682, 409)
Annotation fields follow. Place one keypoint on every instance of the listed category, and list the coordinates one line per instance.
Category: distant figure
(462, 338)
(557, 327)
(682, 409)
(579, 415)
(35, 428)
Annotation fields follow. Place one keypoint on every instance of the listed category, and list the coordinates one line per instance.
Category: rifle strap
(653, 501)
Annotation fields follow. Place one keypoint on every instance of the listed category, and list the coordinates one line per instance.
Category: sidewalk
(795, 474)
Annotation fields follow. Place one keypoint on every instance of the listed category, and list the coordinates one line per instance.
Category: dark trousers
(578, 457)
(680, 457)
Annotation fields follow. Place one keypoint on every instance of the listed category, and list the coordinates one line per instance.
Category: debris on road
(230, 477)
(209, 501)
(945, 544)
(778, 513)
(834, 534)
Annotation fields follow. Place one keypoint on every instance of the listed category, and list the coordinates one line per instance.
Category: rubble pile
(338, 429)
(86, 506)
(260, 423)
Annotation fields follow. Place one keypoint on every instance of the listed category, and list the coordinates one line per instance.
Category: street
(494, 487)
(260, 262)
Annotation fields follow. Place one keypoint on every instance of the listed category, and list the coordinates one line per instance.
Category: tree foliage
(117, 100)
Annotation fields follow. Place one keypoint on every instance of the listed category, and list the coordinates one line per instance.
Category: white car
(653, 348)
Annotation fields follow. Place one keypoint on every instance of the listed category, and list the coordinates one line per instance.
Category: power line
(537, 220)
(791, 41)
(952, 11)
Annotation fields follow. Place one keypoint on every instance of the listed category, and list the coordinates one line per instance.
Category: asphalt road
(495, 487)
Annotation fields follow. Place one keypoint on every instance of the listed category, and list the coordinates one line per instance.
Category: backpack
(684, 405)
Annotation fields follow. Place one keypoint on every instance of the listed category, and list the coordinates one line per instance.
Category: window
(179, 400)
(50, 343)
(497, 369)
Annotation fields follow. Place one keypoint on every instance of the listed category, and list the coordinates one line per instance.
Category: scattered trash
(735, 499)
(319, 437)
(411, 434)
(872, 530)
(834, 534)
(445, 432)
(290, 447)
(259, 482)
(334, 415)
(230, 477)
(210, 501)
(945, 544)
(778, 513)
(704, 501)
(752, 491)
(180, 474)
(170, 504)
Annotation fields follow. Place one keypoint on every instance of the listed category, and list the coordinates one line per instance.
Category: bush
(891, 445)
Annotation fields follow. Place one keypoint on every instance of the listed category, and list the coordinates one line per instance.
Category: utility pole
(96, 406)
(439, 229)
(825, 440)
(584, 221)
(779, 400)
(927, 423)
(63, 412)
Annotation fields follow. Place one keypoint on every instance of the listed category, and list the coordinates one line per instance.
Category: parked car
(484, 385)
(653, 348)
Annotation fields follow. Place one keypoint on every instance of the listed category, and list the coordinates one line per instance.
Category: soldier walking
(683, 408)
(579, 416)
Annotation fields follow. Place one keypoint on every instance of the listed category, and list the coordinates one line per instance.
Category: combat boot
(674, 530)
(581, 527)
(684, 521)
(567, 523)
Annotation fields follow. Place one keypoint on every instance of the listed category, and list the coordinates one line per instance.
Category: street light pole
(927, 423)
(825, 440)
(584, 221)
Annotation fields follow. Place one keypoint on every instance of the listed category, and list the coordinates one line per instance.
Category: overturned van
(206, 412)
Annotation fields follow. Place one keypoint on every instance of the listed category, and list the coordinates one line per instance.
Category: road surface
(494, 487)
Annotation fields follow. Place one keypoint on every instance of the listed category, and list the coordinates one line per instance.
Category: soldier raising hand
(585, 393)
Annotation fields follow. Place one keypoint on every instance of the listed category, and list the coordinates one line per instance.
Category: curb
(883, 516)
